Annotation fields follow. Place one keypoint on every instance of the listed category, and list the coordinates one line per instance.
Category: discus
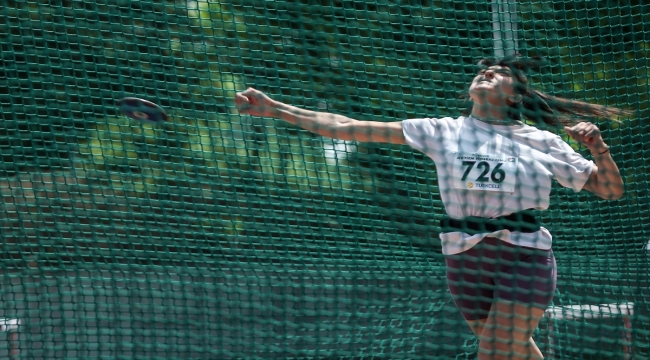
(142, 110)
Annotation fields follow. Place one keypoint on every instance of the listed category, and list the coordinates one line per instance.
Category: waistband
(522, 221)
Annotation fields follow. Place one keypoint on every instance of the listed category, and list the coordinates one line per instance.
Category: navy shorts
(496, 270)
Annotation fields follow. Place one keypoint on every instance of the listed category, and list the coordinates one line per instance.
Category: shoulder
(551, 140)
(424, 134)
(556, 143)
(435, 122)
(557, 148)
(534, 132)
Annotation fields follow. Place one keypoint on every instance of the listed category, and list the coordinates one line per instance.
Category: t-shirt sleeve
(420, 133)
(569, 168)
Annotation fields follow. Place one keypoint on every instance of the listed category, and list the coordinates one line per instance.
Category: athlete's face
(494, 86)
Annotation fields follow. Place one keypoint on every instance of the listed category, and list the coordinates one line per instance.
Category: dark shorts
(496, 270)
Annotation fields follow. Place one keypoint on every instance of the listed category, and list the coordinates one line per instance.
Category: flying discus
(142, 110)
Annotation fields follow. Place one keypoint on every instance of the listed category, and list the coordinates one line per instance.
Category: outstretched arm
(256, 103)
(605, 179)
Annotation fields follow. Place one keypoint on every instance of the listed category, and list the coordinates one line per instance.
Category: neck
(490, 114)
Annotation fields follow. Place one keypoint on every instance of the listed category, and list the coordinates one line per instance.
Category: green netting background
(218, 236)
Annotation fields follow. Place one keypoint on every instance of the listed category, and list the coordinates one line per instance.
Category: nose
(489, 74)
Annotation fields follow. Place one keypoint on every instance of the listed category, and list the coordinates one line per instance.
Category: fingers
(240, 98)
(584, 132)
(569, 131)
(250, 91)
(582, 129)
(242, 103)
(252, 102)
(249, 96)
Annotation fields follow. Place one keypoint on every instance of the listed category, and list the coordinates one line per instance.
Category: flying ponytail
(543, 108)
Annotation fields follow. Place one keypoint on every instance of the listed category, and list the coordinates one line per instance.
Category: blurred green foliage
(217, 235)
(241, 182)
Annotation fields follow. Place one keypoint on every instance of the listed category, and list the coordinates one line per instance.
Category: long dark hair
(540, 107)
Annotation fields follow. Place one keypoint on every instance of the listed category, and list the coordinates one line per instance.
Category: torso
(530, 159)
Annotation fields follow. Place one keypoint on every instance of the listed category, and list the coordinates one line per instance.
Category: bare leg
(507, 333)
(477, 326)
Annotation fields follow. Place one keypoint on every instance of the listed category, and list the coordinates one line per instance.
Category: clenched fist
(256, 103)
(587, 134)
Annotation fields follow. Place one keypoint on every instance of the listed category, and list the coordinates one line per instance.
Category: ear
(515, 98)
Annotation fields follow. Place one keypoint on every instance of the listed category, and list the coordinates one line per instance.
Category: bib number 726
(497, 175)
(485, 172)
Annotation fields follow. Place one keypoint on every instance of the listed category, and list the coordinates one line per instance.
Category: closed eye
(504, 72)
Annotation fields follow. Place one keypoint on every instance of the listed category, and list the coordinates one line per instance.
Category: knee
(494, 349)
(497, 348)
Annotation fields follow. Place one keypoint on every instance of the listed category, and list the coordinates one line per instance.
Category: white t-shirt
(495, 170)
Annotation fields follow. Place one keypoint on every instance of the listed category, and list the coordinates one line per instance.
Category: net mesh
(217, 235)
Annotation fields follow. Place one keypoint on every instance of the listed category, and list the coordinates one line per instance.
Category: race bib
(485, 172)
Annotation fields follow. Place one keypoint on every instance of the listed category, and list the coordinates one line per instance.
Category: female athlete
(492, 170)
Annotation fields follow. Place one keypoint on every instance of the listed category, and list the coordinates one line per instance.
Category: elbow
(619, 190)
(612, 194)
(618, 194)
(342, 131)
(339, 133)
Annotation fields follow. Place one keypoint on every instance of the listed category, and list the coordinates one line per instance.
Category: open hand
(587, 134)
(254, 102)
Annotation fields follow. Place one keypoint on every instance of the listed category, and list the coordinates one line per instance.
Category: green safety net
(222, 236)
